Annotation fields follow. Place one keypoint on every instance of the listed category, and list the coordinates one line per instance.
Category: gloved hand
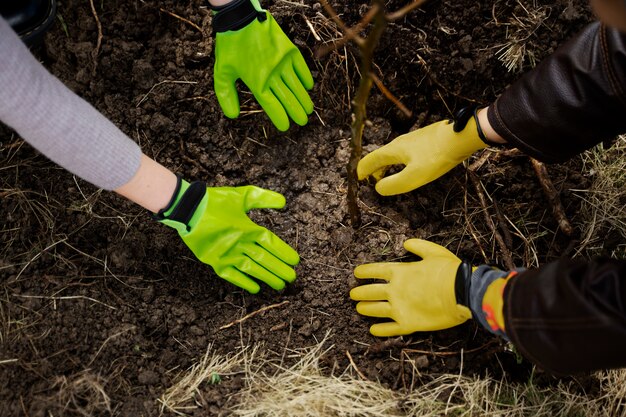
(428, 153)
(213, 223)
(418, 296)
(254, 48)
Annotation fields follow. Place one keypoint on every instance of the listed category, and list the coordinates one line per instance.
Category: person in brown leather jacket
(567, 316)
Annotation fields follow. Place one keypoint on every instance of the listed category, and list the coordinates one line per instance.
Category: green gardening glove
(213, 223)
(249, 45)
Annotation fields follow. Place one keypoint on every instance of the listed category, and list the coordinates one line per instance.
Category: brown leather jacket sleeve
(572, 100)
(569, 316)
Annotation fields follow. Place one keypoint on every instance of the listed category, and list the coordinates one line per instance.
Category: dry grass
(520, 29)
(603, 212)
(185, 396)
(82, 394)
(306, 388)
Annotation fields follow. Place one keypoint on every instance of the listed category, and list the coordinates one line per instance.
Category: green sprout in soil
(63, 24)
(215, 378)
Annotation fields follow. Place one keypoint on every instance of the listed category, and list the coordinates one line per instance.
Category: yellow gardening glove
(418, 296)
(427, 154)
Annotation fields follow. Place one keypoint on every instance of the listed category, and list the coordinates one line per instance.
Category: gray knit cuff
(481, 278)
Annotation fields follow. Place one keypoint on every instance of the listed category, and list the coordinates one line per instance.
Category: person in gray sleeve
(72, 133)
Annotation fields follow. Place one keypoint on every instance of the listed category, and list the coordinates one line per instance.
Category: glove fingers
(273, 109)
(226, 93)
(369, 292)
(277, 247)
(295, 85)
(380, 309)
(388, 329)
(260, 198)
(255, 270)
(425, 249)
(402, 182)
(302, 70)
(270, 262)
(289, 101)
(239, 279)
(376, 161)
(381, 270)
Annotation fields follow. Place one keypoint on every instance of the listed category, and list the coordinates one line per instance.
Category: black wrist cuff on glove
(160, 215)
(235, 15)
(462, 284)
(187, 204)
(461, 118)
(30, 19)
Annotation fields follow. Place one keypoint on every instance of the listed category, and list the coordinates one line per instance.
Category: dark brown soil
(90, 281)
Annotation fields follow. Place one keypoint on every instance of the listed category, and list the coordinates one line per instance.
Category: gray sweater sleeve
(57, 122)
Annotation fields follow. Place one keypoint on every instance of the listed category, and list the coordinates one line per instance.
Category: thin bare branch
(504, 250)
(350, 34)
(96, 50)
(67, 297)
(553, 197)
(399, 14)
(333, 15)
(182, 19)
(451, 353)
(358, 371)
(390, 95)
(254, 313)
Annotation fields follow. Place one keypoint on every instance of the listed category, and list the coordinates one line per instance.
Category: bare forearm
(490, 134)
(152, 186)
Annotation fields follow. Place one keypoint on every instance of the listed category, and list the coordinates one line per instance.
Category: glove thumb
(425, 249)
(226, 93)
(260, 198)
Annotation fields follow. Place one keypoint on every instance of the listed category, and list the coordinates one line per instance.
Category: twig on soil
(484, 157)
(23, 406)
(305, 260)
(508, 238)
(505, 251)
(190, 23)
(400, 13)
(390, 96)
(472, 230)
(194, 98)
(553, 197)
(17, 277)
(145, 97)
(66, 297)
(358, 371)
(96, 51)
(254, 313)
(312, 29)
(348, 33)
(131, 327)
(450, 353)
(334, 45)
(5, 361)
